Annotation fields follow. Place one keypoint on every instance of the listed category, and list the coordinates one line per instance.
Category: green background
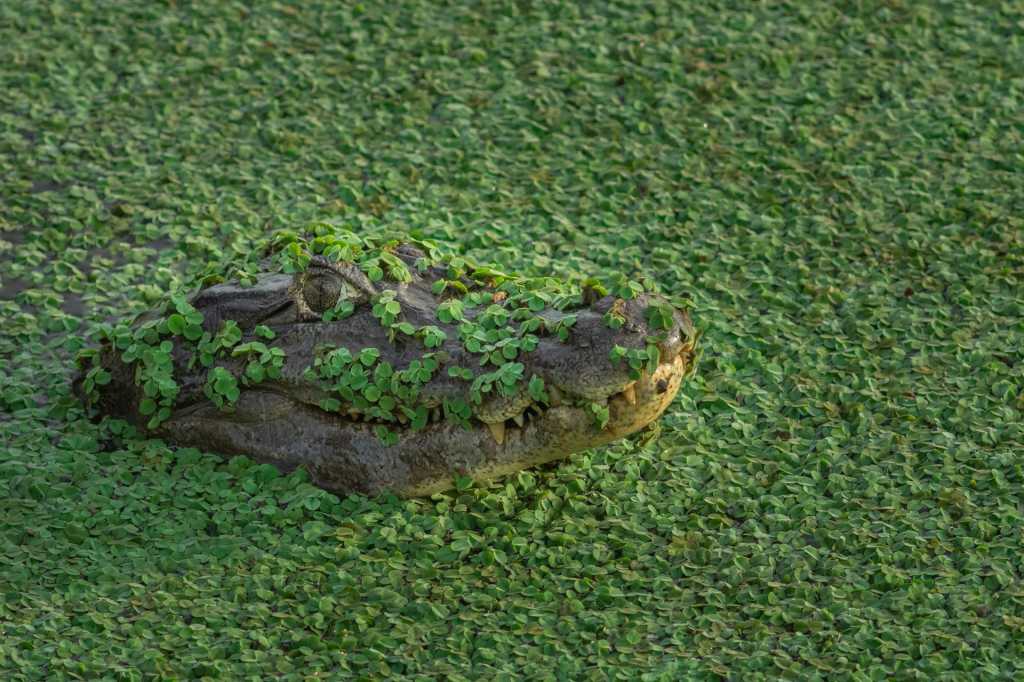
(837, 187)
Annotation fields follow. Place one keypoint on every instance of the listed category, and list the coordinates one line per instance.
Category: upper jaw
(629, 409)
(574, 373)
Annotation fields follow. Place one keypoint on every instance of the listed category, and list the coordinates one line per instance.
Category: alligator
(382, 364)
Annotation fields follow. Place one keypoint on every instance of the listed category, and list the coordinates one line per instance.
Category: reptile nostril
(662, 386)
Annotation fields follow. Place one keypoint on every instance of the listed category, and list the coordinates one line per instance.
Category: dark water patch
(161, 244)
(12, 286)
(73, 304)
(14, 237)
(40, 186)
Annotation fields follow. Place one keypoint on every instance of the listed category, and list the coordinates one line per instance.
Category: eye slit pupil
(321, 292)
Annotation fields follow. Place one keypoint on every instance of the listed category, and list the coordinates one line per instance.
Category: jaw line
(530, 446)
(346, 456)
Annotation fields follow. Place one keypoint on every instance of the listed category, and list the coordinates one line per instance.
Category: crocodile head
(383, 365)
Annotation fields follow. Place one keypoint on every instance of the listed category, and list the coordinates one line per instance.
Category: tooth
(555, 395)
(497, 430)
(518, 419)
(630, 393)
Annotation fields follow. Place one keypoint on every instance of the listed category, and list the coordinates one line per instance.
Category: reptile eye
(321, 290)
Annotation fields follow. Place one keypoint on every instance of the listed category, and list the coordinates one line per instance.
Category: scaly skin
(409, 428)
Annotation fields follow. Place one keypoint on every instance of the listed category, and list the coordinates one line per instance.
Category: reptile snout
(648, 317)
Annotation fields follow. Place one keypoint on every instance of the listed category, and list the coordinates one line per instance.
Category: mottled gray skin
(280, 422)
